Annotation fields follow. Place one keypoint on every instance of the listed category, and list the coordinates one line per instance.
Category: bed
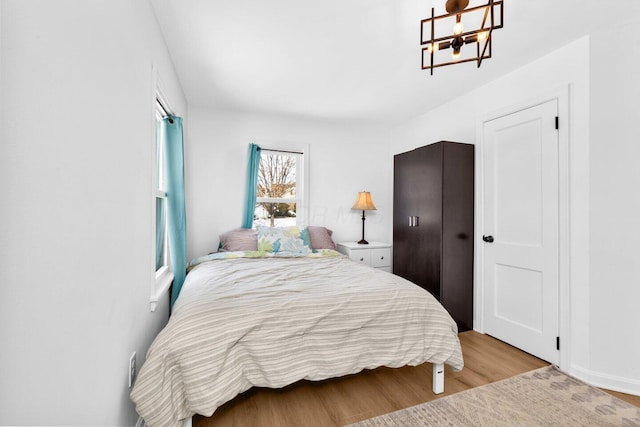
(269, 319)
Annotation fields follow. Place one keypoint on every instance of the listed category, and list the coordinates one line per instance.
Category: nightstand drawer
(362, 256)
(381, 257)
(375, 254)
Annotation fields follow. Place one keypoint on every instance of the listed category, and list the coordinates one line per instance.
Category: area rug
(544, 397)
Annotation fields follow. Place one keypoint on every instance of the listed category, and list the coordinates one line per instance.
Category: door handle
(488, 239)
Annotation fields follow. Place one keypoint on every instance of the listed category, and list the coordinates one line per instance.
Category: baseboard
(141, 423)
(610, 382)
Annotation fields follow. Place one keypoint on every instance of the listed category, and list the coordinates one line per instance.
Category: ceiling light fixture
(448, 31)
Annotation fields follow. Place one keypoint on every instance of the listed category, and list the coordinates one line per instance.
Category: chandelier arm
(484, 50)
(484, 18)
(493, 21)
(433, 30)
(453, 62)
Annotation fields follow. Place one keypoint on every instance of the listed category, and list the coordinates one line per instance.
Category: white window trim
(278, 199)
(302, 182)
(160, 280)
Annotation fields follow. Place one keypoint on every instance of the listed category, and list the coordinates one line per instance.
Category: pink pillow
(240, 239)
(321, 238)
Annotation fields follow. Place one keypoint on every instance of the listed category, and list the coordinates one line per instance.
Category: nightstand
(375, 254)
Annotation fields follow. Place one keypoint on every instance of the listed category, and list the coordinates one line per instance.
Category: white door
(521, 218)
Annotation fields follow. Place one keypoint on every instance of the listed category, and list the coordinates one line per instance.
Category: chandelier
(460, 26)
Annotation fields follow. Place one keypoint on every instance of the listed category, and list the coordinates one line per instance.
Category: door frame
(561, 96)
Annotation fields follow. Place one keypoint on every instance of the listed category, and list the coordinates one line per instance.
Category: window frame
(161, 278)
(302, 181)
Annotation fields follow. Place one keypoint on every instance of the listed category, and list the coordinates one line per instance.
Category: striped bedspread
(244, 322)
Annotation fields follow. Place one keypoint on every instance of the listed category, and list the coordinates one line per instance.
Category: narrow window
(163, 274)
(280, 189)
(160, 194)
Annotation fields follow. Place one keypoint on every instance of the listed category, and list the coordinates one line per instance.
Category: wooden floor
(345, 400)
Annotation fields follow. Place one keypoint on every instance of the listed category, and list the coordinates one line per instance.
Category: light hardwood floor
(345, 400)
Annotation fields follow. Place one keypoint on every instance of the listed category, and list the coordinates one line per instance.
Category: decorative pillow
(240, 239)
(288, 239)
(321, 238)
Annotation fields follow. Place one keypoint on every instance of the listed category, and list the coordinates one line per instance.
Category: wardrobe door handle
(488, 239)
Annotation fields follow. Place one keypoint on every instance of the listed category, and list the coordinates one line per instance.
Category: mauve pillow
(240, 239)
(321, 237)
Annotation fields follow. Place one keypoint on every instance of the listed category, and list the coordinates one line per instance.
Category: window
(280, 192)
(163, 275)
(160, 195)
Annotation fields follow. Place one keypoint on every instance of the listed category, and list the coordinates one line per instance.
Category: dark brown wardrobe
(433, 215)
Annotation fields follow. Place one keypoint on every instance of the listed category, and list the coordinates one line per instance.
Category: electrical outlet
(132, 369)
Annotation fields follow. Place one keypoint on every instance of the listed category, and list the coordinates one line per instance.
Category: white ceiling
(348, 59)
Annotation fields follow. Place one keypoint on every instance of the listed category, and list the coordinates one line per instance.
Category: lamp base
(363, 242)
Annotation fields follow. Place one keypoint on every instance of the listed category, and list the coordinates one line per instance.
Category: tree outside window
(278, 179)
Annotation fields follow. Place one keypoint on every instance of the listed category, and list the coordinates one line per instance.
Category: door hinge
(557, 343)
(557, 122)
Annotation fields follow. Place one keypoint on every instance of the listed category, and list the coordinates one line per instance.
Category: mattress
(252, 321)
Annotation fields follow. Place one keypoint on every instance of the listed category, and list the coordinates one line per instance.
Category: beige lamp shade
(363, 202)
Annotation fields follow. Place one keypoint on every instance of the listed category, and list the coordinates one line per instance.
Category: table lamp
(363, 203)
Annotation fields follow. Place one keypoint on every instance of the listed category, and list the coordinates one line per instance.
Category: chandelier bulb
(483, 35)
(458, 28)
(433, 47)
(456, 53)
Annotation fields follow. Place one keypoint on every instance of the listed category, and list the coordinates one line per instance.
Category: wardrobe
(433, 224)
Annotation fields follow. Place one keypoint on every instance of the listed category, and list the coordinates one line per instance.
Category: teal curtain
(176, 213)
(252, 184)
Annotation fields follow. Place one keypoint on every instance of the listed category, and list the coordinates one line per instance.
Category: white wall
(343, 159)
(615, 207)
(75, 179)
(604, 204)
